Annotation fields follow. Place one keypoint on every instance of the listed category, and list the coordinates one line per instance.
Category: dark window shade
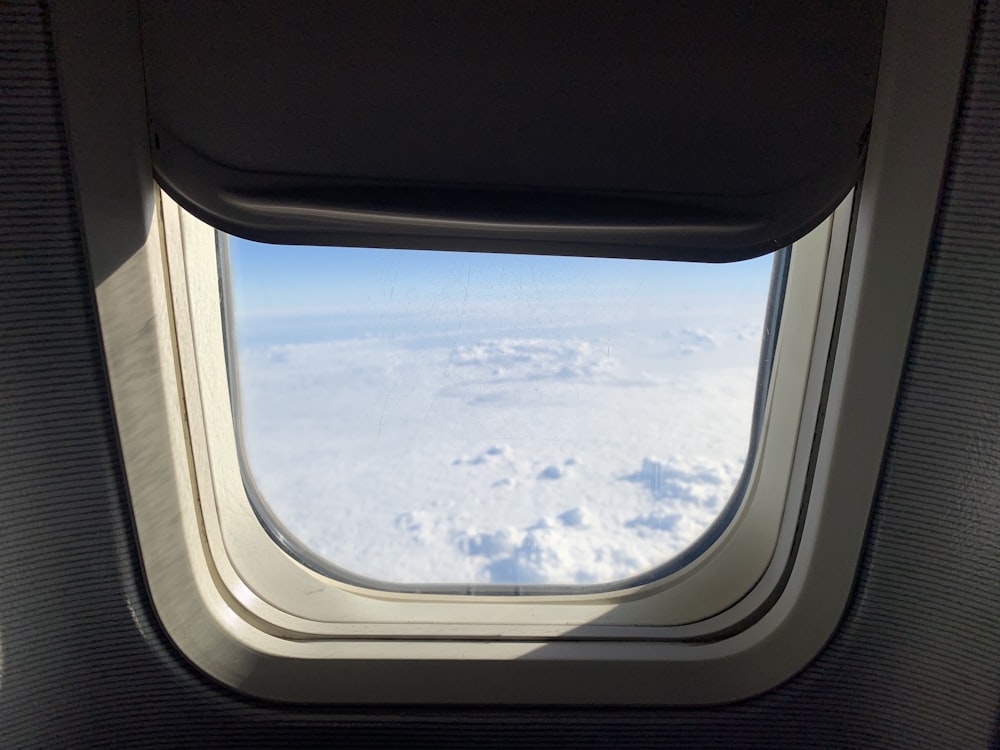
(707, 131)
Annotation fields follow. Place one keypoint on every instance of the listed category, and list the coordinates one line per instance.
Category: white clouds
(694, 340)
(679, 479)
(535, 359)
(551, 472)
(502, 459)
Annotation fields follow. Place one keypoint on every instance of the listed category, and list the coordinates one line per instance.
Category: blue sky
(302, 281)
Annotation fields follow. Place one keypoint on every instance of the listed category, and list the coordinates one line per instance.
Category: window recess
(721, 574)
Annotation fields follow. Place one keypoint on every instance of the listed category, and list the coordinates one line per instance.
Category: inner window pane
(428, 418)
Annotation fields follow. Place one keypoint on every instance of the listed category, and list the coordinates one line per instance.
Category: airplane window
(446, 418)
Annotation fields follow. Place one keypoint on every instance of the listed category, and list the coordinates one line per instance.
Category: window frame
(225, 629)
(235, 578)
(723, 574)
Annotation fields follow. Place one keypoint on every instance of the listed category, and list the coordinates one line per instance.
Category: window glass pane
(462, 418)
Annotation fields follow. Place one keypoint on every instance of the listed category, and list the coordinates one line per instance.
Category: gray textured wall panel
(916, 662)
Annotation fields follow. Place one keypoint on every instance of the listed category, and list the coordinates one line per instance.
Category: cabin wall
(83, 661)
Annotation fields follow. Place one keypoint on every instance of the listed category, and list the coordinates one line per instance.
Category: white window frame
(207, 525)
(266, 625)
(718, 578)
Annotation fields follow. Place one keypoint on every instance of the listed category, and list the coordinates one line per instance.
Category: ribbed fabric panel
(83, 662)
(61, 586)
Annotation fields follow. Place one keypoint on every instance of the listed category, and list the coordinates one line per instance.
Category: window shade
(708, 131)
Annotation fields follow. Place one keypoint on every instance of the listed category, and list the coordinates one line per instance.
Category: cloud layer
(506, 459)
